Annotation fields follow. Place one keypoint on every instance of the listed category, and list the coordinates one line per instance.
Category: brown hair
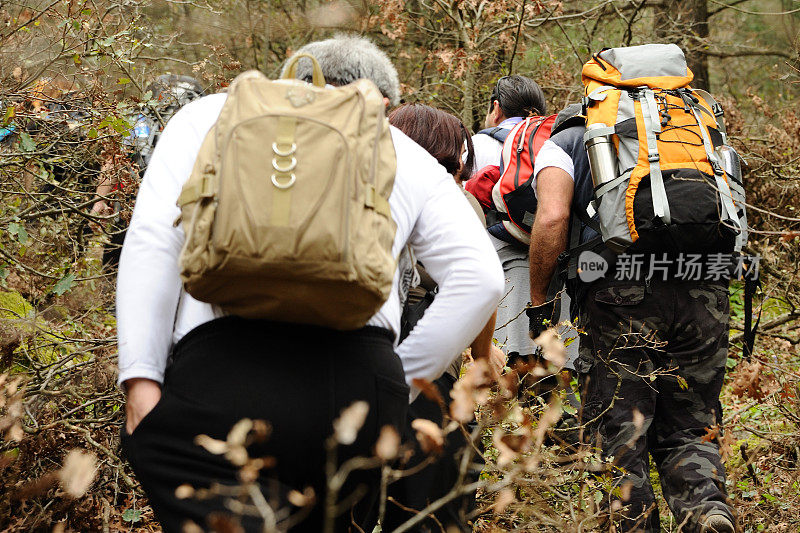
(441, 134)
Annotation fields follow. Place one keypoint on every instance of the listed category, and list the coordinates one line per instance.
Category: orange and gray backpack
(677, 185)
(286, 212)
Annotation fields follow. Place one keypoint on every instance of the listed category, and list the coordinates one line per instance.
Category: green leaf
(18, 230)
(26, 143)
(121, 125)
(123, 81)
(682, 383)
(132, 515)
(64, 284)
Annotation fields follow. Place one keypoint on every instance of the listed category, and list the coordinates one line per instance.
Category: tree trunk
(685, 23)
(467, 109)
(468, 102)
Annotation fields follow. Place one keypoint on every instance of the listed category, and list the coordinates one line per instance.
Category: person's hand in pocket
(142, 395)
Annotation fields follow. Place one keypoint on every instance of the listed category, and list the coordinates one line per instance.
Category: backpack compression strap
(750, 287)
(497, 133)
(568, 261)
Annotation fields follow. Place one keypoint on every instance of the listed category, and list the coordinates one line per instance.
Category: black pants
(297, 378)
(415, 492)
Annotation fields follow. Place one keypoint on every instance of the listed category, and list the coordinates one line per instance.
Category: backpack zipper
(520, 148)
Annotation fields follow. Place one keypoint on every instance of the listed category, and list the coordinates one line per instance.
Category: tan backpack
(286, 212)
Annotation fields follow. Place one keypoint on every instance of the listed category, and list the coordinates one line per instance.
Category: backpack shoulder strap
(497, 133)
(717, 111)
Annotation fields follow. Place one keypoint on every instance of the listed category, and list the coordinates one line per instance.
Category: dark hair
(518, 96)
(441, 134)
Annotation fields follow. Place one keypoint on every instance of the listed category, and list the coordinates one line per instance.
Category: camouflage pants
(652, 360)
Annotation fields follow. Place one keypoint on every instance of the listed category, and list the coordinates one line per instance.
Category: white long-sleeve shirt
(432, 216)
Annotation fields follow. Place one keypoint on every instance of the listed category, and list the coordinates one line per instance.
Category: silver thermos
(602, 156)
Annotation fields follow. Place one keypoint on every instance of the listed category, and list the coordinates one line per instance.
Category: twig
(516, 39)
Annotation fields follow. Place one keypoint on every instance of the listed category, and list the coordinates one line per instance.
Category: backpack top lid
(650, 65)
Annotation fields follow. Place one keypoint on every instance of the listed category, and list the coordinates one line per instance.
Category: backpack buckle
(206, 187)
(654, 158)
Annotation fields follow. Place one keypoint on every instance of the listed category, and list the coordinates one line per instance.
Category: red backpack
(513, 196)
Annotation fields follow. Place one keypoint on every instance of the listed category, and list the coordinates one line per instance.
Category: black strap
(493, 216)
(414, 310)
(497, 133)
(584, 217)
(750, 287)
(556, 283)
(579, 217)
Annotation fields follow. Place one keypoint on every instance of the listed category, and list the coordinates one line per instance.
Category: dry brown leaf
(625, 491)
(346, 427)
(504, 498)
(77, 474)
(302, 499)
(184, 491)
(429, 435)
(262, 430)
(546, 421)
(215, 446)
(191, 527)
(506, 455)
(711, 433)
(552, 346)
(726, 445)
(428, 389)
(238, 433)
(15, 433)
(249, 472)
(471, 389)
(746, 381)
(638, 419)
(388, 444)
(638, 424)
(224, 523)
(237, 455)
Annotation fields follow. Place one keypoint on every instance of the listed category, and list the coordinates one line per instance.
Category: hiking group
(295, 253)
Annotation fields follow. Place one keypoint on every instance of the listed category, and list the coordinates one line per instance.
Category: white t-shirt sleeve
(148, 282)
(552, 155)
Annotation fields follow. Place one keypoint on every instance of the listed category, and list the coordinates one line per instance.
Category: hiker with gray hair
(190, 367)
